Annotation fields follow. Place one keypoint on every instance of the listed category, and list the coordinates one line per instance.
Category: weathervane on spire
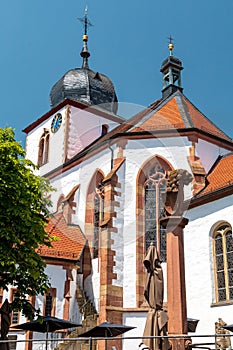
(170, 45)
(85, 53)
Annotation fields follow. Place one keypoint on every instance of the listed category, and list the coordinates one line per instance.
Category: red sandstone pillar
(176, 291)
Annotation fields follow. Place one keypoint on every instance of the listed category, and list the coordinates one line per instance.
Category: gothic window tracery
(223, 261)
(155, 188)
(98, 217)
(43, 155)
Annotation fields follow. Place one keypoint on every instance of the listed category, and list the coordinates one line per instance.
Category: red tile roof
(71, 240)
(167, 117)
(176, 112)
(202, 122)
(220, 176)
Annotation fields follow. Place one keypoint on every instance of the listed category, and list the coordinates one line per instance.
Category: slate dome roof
(85, 85)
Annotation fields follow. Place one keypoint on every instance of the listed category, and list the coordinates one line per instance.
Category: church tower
(83, 108)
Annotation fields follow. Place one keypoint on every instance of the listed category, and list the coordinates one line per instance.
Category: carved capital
(174, 203)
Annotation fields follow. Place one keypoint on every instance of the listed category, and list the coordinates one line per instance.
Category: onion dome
(85, 85)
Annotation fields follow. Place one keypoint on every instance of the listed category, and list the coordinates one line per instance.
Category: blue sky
(41, 40)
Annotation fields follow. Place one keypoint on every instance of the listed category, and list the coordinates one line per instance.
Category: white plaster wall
(92, 284)
(56, 144)
(57, 277)
(137, 320)
(208, 153)
(74, 313)
(85, 127)
(199, 264)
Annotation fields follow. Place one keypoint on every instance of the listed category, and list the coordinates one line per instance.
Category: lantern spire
(85, 53)
(171, 70)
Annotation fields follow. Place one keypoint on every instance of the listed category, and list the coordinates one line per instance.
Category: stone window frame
(43, 154)
(140, 220)
(222, 231)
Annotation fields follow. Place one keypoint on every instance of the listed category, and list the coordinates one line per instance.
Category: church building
(110, 177)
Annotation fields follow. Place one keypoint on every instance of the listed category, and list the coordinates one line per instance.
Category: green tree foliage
(23, 214)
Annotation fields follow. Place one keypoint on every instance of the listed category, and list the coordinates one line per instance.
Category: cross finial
(170, 45)
(85, 21)
(170, 39)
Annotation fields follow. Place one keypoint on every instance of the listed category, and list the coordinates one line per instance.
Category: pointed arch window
(150, 196)
(94, 211)
(98, 217)
(43, 155)
(223, 262)
(154, 195)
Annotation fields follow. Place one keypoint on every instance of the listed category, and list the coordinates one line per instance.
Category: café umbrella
(105, 330)
(157, 318)
(45, 324)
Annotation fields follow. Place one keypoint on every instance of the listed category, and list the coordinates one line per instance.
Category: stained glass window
(155, 187)
(96, 226)
(223, 253)
(98, 216)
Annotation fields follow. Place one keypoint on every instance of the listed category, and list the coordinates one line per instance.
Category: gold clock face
(56, 122)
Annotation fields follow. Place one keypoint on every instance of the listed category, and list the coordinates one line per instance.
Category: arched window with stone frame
(150, 196)
(94, 211)
(223, 262)
(43, 155)
(154, 196)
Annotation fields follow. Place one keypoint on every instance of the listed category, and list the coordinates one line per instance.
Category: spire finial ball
(170, 46)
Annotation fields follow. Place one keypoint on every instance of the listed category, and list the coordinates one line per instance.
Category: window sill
(222, 303)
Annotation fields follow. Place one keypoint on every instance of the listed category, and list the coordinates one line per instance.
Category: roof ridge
(184, 111)
(209, 120)
(166, 100)
(216, 171)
